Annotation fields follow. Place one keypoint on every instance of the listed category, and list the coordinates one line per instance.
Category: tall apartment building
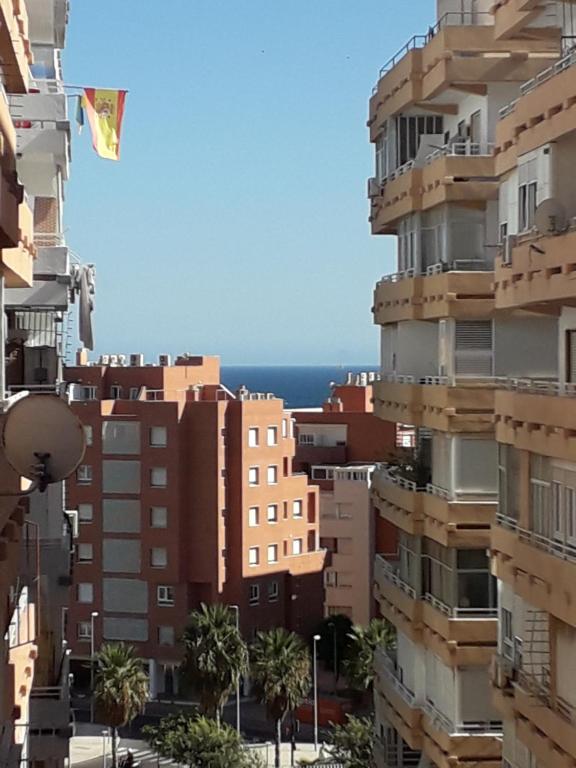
(186, 495)
(338, 446)
(453, 182)
(38, 284)
(534, 539)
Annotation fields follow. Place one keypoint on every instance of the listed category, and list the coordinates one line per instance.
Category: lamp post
(315, 673)
(236, 610)
(93, 615)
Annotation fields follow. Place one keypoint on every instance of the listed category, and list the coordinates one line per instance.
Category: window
(253, 476)
(409, 132)
(322, 473)
(165, 595)
(272, 515)
(158, 437)
(84, 630)
(159, 517)
(115, 392)
(85, 593)
(527, 205)
(85, 553)
(254, 594)
(84, 474)
(85, 513)
(253, 517)
(134, 393)
(296, 546)
(297, 508)
(272, 475)
(306, 439)
(254, 555)
(330, 578)
(88, 393)
(272, 436)
(284, 428)
(158, 557)
(88, 435)
(165, 635)
(273, 592)
(158, 477)
(253, 437)
(272, 553)
(382, 154)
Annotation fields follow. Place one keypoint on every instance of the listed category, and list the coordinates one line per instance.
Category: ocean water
(300, 386)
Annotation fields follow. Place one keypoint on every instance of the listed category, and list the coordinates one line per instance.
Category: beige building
(347, 531)
(471, 128)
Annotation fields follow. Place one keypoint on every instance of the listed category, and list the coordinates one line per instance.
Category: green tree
(199, 742)
(280, 667)
(120, 690)
(359, 666)
(352, 744)
(215, 656)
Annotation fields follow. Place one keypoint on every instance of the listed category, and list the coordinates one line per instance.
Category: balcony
(456, 173)
(447, 742)
(15, 48)
(533, 564)
(17, 262)
(431, 511)
(543, 113)
(517, 18)
(467, 406)
(539, 273)
(462, 295)
(537, 416)
(461, 51)
(398, 600)
(401, 706)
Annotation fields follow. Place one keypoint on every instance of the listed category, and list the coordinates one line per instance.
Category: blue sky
(236, 222)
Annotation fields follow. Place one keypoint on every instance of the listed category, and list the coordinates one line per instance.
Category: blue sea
(300, 386)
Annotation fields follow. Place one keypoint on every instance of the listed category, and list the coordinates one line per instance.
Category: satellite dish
(43, 440)
(550, 217)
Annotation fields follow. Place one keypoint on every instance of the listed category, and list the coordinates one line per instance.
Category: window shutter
(571, 348)
(473, 348)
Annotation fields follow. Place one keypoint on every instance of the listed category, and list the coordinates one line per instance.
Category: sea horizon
(300, 386)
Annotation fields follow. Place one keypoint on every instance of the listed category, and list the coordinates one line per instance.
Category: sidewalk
(90, 747)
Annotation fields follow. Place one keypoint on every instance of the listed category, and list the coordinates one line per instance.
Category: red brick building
(186, 494)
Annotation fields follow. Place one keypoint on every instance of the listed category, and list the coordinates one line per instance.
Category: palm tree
(121, 688)
(215, 656)
(280, 667)
(359, 666)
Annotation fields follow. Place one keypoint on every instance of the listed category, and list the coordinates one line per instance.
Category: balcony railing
(450, 19)
(46, 85)
(461, 149)
(49, 239)
(388, 570)
(543, 77)
(538, 386)
(388, 669)
(460, 613)
(386, 476)
(476, 728)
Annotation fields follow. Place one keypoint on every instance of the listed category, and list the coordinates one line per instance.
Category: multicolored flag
(105, 110)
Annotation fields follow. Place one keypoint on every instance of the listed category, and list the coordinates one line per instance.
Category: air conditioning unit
(137, 360)
(122, 360)
(374, 188)
(104, 359)
(164, 360)
(113, 360)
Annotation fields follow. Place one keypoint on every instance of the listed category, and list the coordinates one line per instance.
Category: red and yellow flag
(105, 110)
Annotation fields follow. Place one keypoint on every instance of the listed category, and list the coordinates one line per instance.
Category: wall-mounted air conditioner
(137, 360)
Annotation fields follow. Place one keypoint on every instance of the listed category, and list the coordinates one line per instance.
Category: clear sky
(236, 222)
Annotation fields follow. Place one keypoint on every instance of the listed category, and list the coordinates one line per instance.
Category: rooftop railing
(450, 19)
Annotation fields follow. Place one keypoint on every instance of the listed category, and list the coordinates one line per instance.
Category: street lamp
(93, 615)
(236, 610)
(315, 668)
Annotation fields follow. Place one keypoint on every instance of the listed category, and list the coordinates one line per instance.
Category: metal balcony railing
(386, 667)
(389, 571)
(542, 77)
(460, 613)
(461, 149)
(471, 728)
(450, 19)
